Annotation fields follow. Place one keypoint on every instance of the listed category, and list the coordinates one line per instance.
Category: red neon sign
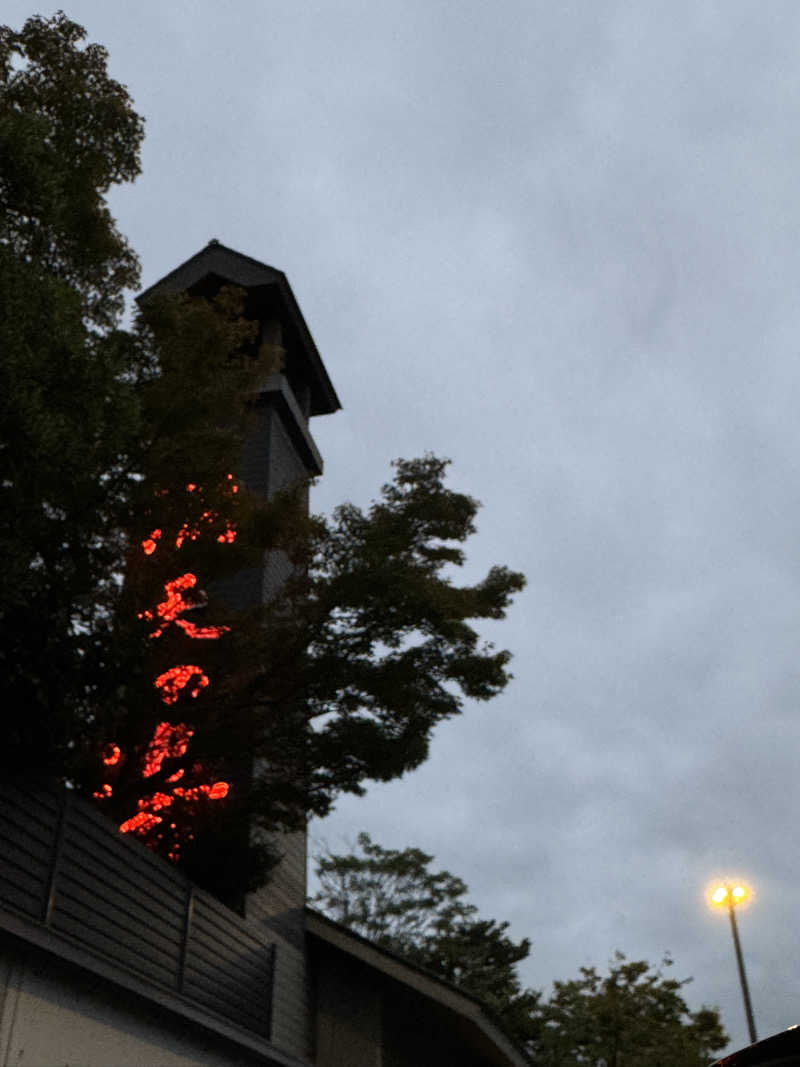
(171, 740)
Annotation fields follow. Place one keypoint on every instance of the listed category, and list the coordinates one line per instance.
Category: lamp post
(731, 896)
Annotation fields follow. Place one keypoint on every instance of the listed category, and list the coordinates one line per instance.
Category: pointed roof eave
(239, 269)
(469, 1009)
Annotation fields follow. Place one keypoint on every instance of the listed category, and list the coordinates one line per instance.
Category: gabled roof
(269, 292)
(468, 1012)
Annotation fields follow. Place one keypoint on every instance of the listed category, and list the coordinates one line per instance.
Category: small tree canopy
(390, 896)
(632, 1017)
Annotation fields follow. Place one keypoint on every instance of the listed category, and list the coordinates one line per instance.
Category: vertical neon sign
(171, 740)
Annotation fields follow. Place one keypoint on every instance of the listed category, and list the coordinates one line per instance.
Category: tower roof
(269, 295)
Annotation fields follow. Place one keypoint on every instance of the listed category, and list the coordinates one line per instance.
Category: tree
(633, 1017)
(380, 648)
(67, 133)
(340, 679)
(393, 898)
(126, 670)
(67, 410)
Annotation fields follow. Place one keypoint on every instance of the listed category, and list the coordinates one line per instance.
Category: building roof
(269, 294)
(468, 1013)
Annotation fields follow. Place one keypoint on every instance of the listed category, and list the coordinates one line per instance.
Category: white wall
(52, 1015)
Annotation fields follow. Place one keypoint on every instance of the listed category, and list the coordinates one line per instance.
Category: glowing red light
(171, 682)
(168, 609)
(149, 545)
(214, 792)
(202, 633)
(140, 823)
(156, 802)
(191, 533)
(169, 741)
(175, 604)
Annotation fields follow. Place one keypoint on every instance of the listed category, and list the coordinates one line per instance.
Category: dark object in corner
(780, 1050)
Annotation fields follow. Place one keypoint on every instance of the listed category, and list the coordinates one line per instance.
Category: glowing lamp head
(730, 895)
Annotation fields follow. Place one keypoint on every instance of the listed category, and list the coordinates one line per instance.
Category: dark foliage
(341, 679)
(633, 1016)
(67, 409)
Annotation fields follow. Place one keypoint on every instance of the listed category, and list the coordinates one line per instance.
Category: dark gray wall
(272, 463)
(348, 1008)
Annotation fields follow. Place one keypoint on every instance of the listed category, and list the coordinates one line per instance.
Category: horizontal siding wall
(29, 824)
(116, 901)
(222, 960)
(68, 869)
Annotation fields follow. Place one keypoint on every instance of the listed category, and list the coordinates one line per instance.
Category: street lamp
(730, 896)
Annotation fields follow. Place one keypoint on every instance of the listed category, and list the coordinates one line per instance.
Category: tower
(278, 453)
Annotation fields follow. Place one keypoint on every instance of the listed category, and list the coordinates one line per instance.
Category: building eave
(468, 1008)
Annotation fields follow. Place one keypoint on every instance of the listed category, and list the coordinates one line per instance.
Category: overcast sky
(560, 244)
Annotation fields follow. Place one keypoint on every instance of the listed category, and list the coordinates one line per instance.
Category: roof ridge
(216, 244)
